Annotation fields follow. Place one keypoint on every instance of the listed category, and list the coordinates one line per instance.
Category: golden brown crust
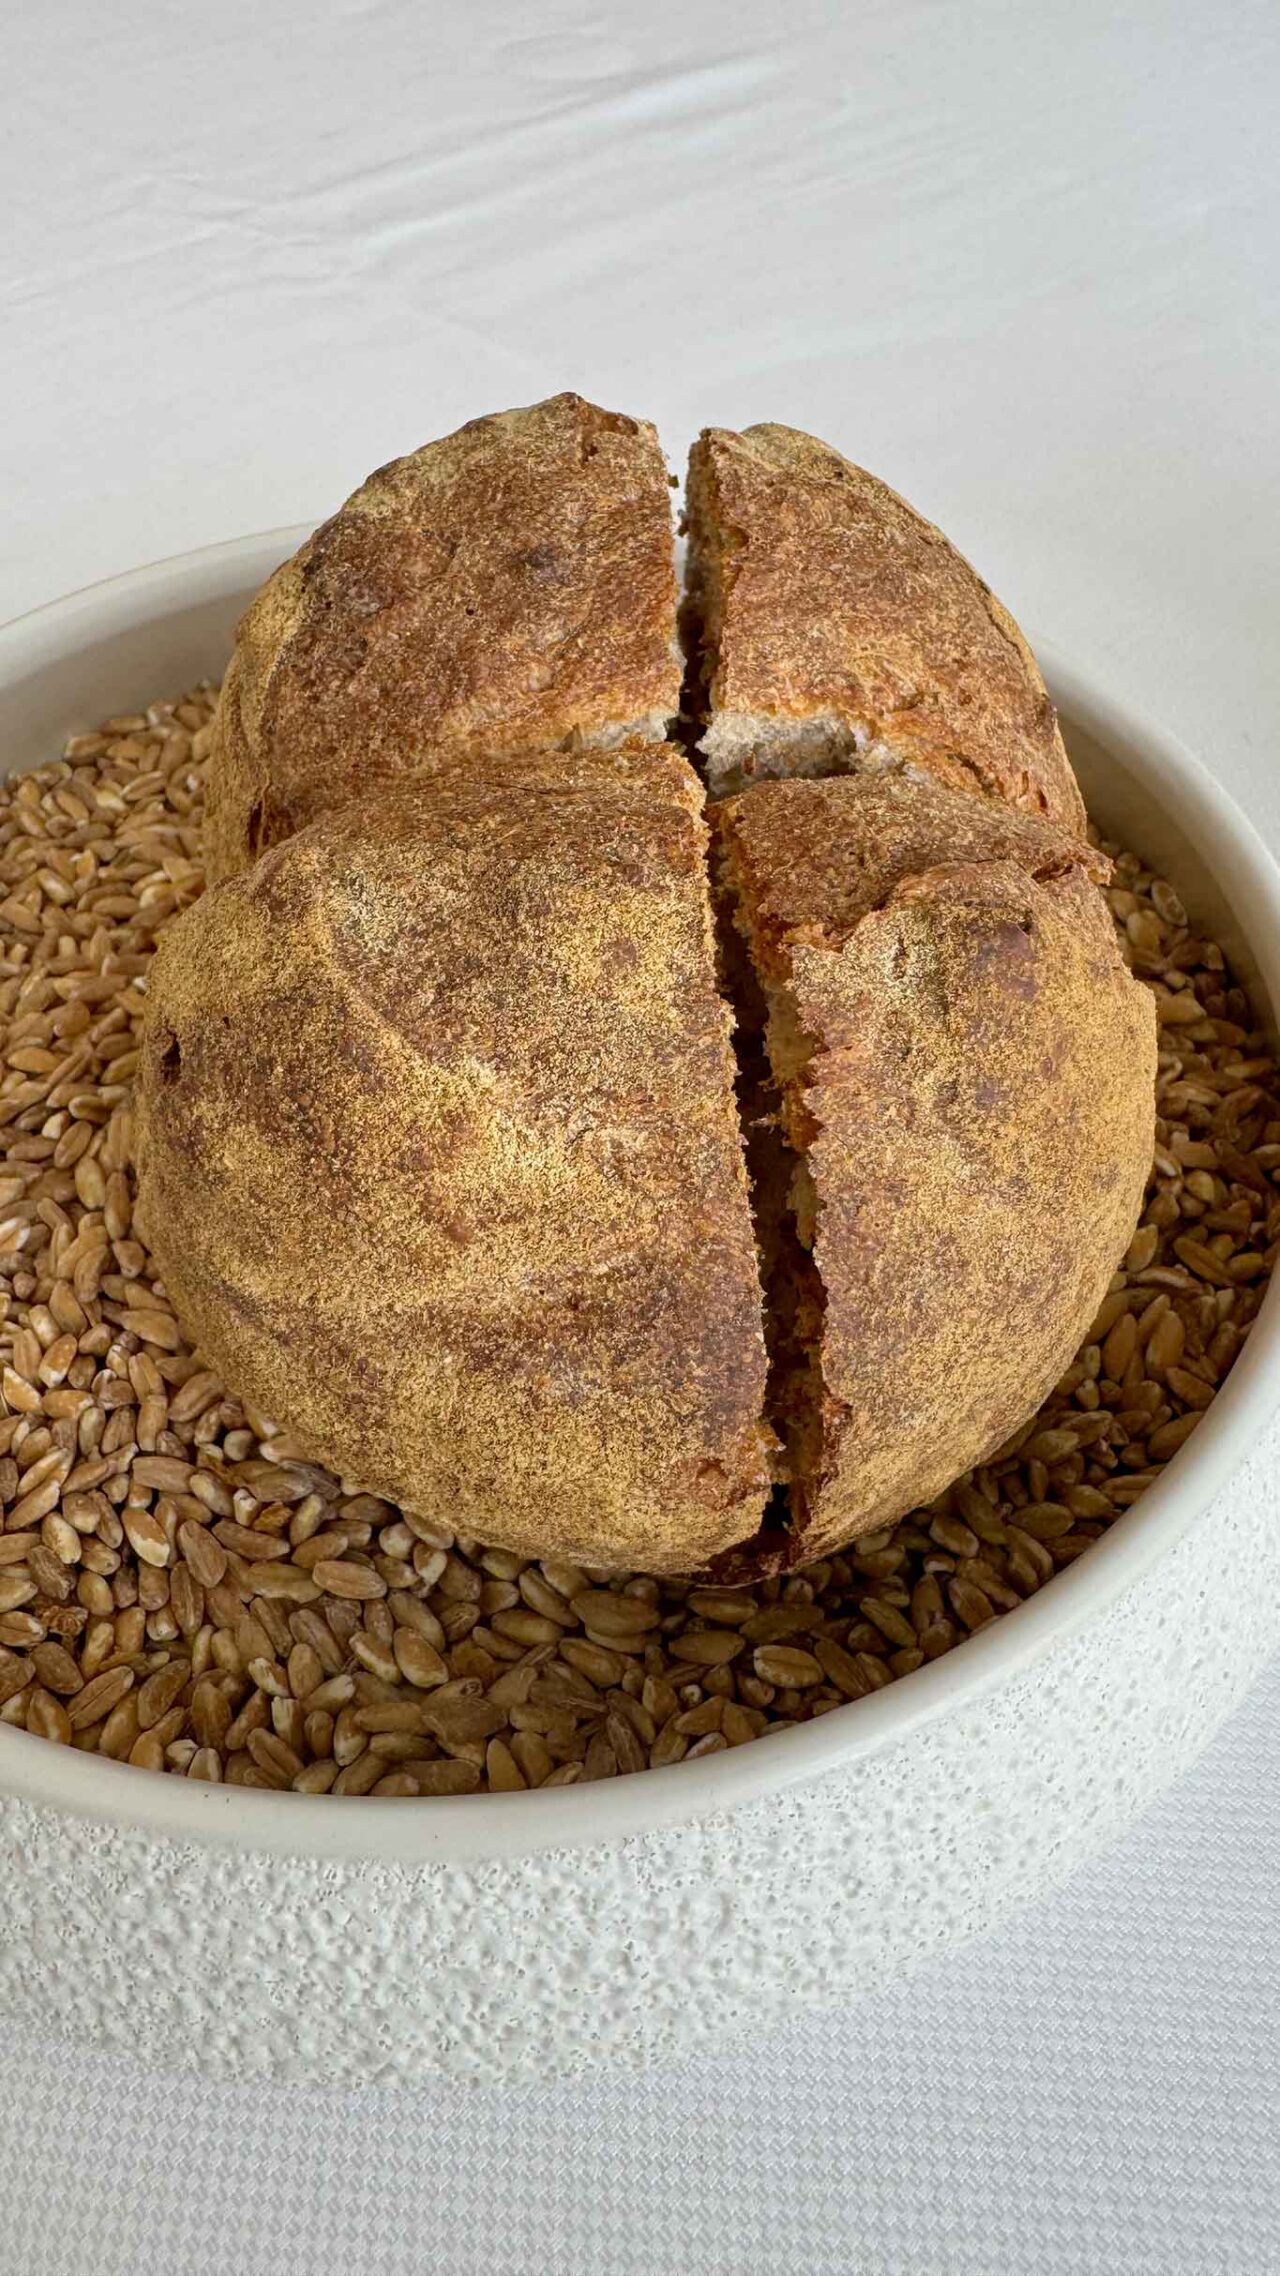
(969, 1078)
(826, 853)
(510, 586)
(440, 1161)
(834, 614)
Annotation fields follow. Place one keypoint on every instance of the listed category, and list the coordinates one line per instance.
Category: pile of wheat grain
(180, 1588)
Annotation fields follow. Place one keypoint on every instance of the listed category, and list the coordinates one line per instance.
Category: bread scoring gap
(764, 1152)
(707, 582)
(783, 1207)
(699, 610)
(781, 1187)
(770, 1163)
(768, 1167)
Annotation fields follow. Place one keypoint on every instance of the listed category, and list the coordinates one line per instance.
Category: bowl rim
(476, 1828)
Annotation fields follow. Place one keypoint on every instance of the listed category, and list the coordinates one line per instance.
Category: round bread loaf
(444, 1155)
(439, 1157)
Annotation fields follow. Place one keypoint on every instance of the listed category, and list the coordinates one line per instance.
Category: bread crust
(843, 630)
(967, 1071)
(511, 586)
(440, 1161)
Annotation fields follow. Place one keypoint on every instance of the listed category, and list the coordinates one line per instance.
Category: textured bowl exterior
(522, 1936)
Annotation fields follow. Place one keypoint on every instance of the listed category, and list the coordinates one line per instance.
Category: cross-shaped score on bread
(653, 1187)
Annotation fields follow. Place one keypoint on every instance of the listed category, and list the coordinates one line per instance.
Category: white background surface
(1022, 260)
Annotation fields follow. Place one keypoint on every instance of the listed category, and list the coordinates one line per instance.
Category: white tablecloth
(1021, 259)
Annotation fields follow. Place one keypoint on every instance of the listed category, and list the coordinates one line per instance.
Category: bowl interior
(112, 649)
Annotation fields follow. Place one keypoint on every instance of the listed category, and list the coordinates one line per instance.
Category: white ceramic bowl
(525, 1934)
